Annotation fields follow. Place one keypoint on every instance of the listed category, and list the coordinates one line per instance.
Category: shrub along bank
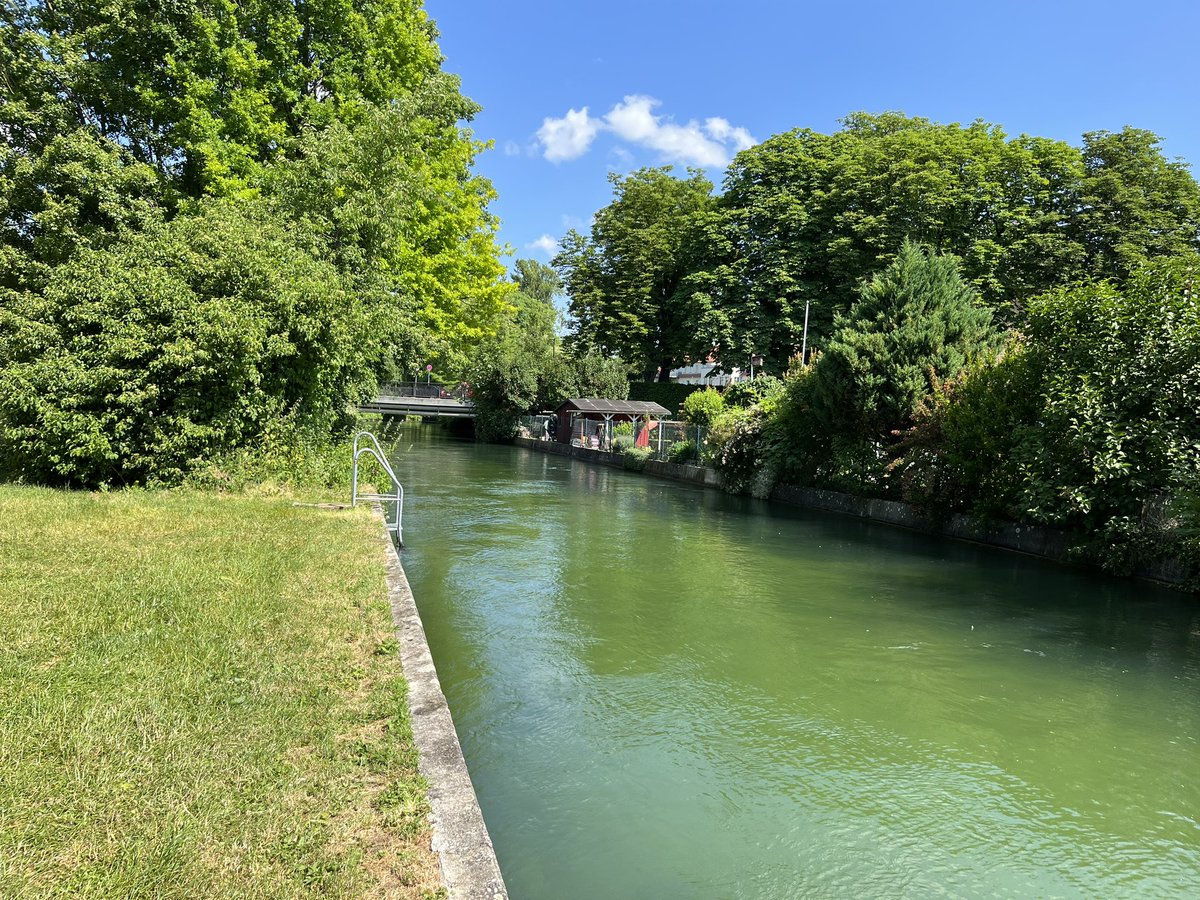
(1086, 418)
(211, 239)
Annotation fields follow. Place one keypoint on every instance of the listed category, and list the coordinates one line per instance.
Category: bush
(681, 452)
(702, 407)
(623, 429)
(284, 461)
(622, 442)
(748, 393)
(635, 458)
(1116, 422)
(961, 452)
(171, 347)
(1089, 424)
(736, 447)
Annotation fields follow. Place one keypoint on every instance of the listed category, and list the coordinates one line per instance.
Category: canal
(663, 691)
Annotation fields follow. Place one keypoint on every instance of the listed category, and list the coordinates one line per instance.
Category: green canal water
(667, 692)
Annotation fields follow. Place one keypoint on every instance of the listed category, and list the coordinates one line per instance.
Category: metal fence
(665, 441)
(536, 427)
(669, 441)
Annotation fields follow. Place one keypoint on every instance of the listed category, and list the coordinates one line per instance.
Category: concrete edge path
(460, 837)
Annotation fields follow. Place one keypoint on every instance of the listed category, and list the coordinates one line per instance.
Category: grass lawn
(200, 696)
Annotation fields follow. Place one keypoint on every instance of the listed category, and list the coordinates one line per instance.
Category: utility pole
(804, 346)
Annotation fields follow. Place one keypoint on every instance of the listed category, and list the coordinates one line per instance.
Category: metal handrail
(376, 451)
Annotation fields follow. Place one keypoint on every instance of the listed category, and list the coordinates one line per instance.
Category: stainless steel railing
(397, 497)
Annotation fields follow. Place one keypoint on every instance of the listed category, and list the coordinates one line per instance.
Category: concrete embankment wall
(1048, 543)
(470, 870)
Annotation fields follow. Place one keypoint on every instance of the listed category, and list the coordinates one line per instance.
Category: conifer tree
(915, 321)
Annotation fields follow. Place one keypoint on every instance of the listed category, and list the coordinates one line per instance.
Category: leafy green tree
(589, 374)
(915, 324)
(624, 279)
(206, 93)
(517, 373)
(809, 216)
(536, 280)
(702, 407)
(504, 379)
(63, 183)
(327, 126)
(1134, 204)
(806, 217)
(120, 114)
(398, 210)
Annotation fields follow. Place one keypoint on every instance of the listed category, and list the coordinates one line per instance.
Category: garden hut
(589, 421)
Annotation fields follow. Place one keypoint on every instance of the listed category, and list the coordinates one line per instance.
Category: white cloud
(512, 148)
(545, 243)
(634, 120)
(720, 129)
(568, 137)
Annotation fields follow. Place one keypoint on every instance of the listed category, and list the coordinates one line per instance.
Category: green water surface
(663, 691)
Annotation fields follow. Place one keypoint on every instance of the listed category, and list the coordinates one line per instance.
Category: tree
(806, 217)
(536, 280)
(328, 127)
(208, 93)
(624, 279)
(504, 379)
(399, 212)
(1134, 204)
(915, 324)
(122, 114)
(809, 216)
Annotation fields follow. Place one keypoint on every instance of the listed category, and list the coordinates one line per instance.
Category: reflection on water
(663, 691)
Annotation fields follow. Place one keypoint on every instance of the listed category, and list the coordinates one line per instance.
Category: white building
(701, 373)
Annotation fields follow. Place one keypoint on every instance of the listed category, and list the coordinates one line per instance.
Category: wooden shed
(588, 421)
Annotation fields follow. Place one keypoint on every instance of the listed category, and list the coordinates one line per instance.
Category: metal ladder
(398, 497)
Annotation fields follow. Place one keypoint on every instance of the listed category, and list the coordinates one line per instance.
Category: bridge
(422, 398)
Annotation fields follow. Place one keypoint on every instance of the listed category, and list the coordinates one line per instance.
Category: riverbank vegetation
(202, 698)
(222, 226)
(1003, 327)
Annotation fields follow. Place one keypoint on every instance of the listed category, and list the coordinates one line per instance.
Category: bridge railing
(427, 390)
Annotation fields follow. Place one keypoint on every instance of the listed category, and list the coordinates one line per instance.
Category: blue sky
(573, 90)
